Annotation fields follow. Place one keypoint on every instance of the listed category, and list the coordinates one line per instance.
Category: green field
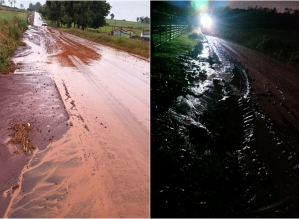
(126, 23)
(11, 14)
(112, 24)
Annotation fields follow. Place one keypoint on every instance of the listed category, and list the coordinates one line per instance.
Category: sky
(280, 5)
(128, 10)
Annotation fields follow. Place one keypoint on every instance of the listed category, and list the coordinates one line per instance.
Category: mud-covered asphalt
(88, 106)
(227, 144)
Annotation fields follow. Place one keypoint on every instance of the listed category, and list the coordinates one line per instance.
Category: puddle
(204, 141)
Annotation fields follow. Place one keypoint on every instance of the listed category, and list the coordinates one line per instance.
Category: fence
(108, 29)
(166, 32)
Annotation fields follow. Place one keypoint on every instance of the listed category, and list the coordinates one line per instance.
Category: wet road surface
(227, 145)
(100, 166)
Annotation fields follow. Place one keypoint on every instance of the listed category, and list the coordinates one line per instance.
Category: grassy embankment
(281, 44)
(167, 77)
(138, 47)
(12, 26)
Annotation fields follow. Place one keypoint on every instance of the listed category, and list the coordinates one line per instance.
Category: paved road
(100, 167)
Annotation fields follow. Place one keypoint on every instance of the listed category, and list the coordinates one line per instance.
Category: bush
(194, 35)
(14, 32)
(10, 32)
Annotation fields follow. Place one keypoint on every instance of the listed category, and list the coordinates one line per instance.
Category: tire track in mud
(275, 121)
(122, 112)
(214, 117)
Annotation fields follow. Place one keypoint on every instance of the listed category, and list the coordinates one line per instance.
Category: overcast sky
(128, 10)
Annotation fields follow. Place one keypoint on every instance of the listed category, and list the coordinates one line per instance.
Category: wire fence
(136, 31)
(163, 33)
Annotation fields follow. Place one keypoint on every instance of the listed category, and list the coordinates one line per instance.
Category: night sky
(280, 5)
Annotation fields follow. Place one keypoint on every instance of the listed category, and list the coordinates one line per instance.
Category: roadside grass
(167, 76)
(133, 46)
(170, 49)
(281, 44)
(11, 29)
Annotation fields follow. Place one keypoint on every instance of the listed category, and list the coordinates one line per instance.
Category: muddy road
(88, 106)
(227, 143)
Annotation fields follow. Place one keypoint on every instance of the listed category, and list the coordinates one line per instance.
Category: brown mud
(275, 90)
(100, 166)
(226, 144)
(33, 99)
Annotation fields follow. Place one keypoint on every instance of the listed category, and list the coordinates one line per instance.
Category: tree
(82, 14)
(31, 7)
(137, 19)
(14, 2)
(100, 11)
(146, 20)
(112, 16)
(22, 6)
(37, 6)
(2, 2)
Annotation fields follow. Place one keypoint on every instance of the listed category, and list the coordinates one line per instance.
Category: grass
(179, 45)
(11, 29)
(166, 73)
(127, 23)
(11, 14)
(281, 44)
(137, 47)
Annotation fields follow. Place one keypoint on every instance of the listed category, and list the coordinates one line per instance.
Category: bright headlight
(206, 21)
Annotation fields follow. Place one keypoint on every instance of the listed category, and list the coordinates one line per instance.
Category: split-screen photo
(149, 109)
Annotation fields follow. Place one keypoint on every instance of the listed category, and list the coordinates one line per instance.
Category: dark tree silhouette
(82, 14)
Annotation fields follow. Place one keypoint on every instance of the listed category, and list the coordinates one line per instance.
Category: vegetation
(5, 14)
(166, 72)
(82, 14)
(35, 7)
(112, 16)
(262, 29)
(11, 29)
(137, 47)
(124, 23)
(128, 25)
(143, 19)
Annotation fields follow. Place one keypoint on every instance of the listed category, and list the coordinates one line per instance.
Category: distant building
(145, 34)
(122, 32)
